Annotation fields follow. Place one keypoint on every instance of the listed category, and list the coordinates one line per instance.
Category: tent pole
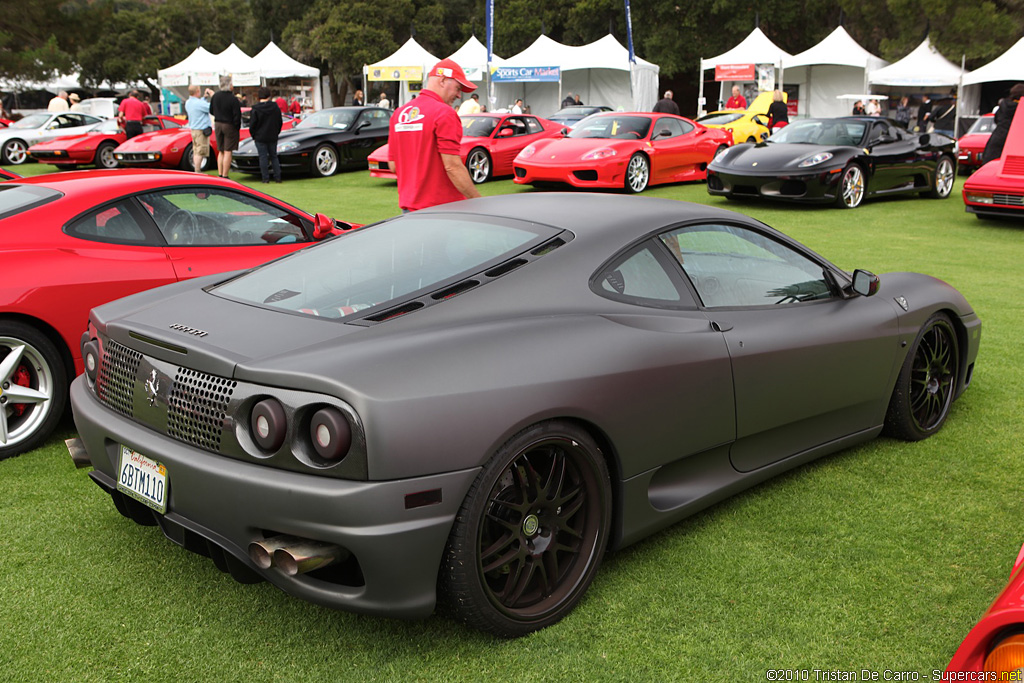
(959, 88)
(700, 89)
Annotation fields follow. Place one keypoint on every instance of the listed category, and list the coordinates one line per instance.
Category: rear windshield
(986, 124)
(16, 198)
(719, 119)
(384, 263)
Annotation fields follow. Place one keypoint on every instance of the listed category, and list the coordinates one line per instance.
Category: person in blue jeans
(265, 127)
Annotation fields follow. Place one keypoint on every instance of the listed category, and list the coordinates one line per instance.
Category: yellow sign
(395, 73)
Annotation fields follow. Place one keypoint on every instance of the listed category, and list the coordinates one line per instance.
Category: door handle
(720, 327)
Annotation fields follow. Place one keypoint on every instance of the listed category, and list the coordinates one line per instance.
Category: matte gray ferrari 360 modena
(489, 395)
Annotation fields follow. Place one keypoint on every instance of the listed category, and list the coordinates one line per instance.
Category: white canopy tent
(275, 65)
(924, 68)
(411, 54)
(1007, 67)
(472, 57)
(600, 72)
(756, 48)
(836, 65)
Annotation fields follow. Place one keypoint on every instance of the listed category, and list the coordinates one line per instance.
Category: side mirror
(361, 125)
(925, 139)
(663, 133)
(506, 133)
(865, 283)
(323, 226)
(564, 132)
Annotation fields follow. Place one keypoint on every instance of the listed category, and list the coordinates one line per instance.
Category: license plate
(142, 478)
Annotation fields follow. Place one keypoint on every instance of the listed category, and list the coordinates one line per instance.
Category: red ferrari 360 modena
(95, 147)
(623, 150)
(489, 144)
(997, 188)
(72, 241)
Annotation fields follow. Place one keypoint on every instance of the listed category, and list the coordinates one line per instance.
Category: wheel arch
(50, 333)
(963, 346)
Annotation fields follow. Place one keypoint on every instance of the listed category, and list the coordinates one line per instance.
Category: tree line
(129, 40)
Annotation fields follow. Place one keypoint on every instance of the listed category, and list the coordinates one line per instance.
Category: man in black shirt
(227, 122)
(666, 105)
(265, 127)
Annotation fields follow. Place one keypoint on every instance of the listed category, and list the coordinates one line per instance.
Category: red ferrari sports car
(72, 241)
(169, 148)
(630, 151)
(996, 643)
(973, 142)
(997, 188)
(489, 144)
(95, 147)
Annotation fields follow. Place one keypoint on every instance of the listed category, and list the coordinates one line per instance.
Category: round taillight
(91, 358)
(1007, 656)
(268, 424)
(330, 434)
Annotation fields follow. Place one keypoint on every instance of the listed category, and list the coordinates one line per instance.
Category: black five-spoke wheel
(530, 534)
(927, 382)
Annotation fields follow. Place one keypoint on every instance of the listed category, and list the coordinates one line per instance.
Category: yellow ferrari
(746, 125)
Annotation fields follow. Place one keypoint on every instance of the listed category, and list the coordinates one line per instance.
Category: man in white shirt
(517, 108)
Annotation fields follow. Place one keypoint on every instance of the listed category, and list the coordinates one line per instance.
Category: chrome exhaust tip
(262, 552)
(305, 556)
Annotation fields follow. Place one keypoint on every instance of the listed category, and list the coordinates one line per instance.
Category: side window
(667, 128)
(215, 217)
(735, 266)
(639, 275)
(533, 125)
(114, 223)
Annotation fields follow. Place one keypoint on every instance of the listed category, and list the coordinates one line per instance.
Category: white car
(20, 135)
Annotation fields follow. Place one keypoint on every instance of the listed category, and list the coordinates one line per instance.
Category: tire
(638, 173)
(14, 152)
(325, 161)
(105, 155)
(33, 388)
(478, 163)
(851, 187)
(945, 177)
(540, 506)
(751, 139)
(927, 382)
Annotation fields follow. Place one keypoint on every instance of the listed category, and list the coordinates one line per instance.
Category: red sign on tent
(734, 72)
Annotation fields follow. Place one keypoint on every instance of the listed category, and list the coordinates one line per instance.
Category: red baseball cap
(447, 68)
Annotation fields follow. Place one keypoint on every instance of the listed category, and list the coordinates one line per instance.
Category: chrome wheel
(479, 164)
(945, 176)
(530, 535)
(325, 161)
(638, 173)
(851, 187)
(15, 152)
(105, 156)
(32, 388)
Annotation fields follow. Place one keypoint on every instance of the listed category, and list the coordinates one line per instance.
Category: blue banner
(526, 74)
(629, 33)
(489, 21)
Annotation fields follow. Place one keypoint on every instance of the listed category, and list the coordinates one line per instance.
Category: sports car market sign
(734, 72)
(526, 74)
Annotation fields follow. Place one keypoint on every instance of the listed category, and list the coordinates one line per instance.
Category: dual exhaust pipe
(294, 555)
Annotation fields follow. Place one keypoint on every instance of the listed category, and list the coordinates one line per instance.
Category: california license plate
(142, 478)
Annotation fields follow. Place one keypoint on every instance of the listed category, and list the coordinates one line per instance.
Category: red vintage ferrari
(72, 241)
(972, 144)
(489, 144)
(997, 188)
(616, 150)
(996, 643)
(95, 147)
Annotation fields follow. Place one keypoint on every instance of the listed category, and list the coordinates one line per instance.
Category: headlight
(721, 156)
(528, 151)
(287, 147)
(330, 434)
(818, 158)
(1007, 655)
(599, 153)
(980, 197)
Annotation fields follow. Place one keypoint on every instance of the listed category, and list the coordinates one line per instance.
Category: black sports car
(489, 394)
(842, 160)
(323, 142)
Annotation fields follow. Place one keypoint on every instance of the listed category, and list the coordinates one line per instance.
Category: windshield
(718, 119)
(340, 119)
(986, 124)
(609, 127)
(478, 126)
(384, 263)
(32, 121)
(829, 132)
(110, 126)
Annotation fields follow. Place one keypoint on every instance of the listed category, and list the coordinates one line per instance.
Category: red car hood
(974, 140)
(571, 149)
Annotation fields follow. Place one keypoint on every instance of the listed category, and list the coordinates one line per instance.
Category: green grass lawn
(880, 558)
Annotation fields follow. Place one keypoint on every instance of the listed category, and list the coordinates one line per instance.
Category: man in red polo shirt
(130, 114)
(425, 140)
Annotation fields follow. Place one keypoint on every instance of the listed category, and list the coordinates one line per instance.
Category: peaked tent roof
(837, 48)
(924, 67)
(542, 52)
(1007, 67)
(606, 53)
(201, 59)
(274, 63)
(756, 48)
(233, 60)
(472, 57)
(410, 54)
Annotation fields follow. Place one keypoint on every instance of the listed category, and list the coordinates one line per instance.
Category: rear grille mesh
(116, 380)
(197, 408)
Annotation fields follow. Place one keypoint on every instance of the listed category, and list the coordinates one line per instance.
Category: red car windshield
(478, 126)
(612, 127)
